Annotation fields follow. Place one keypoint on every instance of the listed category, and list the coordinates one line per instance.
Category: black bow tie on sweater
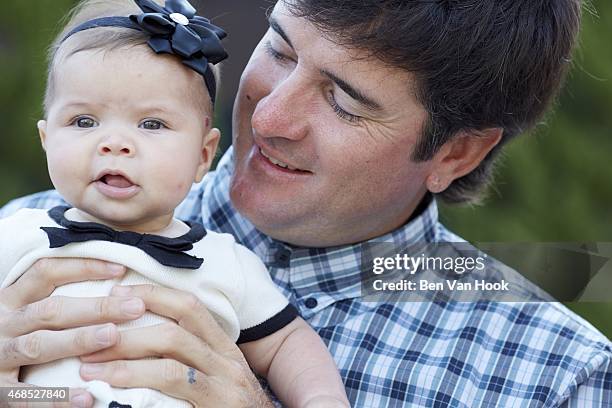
(166, 251)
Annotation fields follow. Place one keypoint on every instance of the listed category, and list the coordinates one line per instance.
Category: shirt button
(311, 303)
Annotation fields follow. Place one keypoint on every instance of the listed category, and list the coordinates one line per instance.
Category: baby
(128, 111)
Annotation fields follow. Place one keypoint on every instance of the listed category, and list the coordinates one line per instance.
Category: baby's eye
(85, 122)
(151, 124)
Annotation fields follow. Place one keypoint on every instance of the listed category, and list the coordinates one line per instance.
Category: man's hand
(36, 329)
(197, 361)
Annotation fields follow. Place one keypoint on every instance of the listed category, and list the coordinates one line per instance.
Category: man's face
(323, 137)
(118, 146)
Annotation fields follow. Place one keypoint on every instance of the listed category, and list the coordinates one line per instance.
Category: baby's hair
(105, 39)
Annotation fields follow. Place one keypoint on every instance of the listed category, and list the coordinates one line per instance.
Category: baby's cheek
(176, 188)
(174, 176)
(67, 175)
(60, 167)
(183, 187)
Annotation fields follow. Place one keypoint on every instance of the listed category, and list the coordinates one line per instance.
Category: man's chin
(259, 212)
(266, 216)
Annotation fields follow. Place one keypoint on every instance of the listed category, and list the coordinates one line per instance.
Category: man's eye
(271, 51)
(151, 124)
(342, 114)
(85, 122)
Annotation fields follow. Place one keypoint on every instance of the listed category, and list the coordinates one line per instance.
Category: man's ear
(42, 132)
(209, 147)
(459, 156)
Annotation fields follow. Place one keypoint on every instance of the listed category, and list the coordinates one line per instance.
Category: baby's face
(127, 135)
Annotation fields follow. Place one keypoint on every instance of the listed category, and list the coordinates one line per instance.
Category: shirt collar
(336, 271)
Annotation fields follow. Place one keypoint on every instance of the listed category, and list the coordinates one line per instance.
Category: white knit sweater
(232, 282)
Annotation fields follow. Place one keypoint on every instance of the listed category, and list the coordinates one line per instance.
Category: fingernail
(91, 369)
(132, 307)
(121, 290)
(115, 269)
(80, 401)
(104, 335)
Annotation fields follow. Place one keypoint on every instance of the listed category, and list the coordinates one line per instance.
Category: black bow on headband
(174, 29)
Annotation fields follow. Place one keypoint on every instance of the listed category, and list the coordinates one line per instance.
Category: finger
(167, 340)
(79, 398)
(183, 307)
(44, 345)
(168, 376)
(46, 274)
(61, 312)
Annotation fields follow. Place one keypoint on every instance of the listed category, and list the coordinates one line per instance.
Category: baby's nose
(116, 146)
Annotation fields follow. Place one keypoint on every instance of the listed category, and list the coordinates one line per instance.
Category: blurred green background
(554, 184)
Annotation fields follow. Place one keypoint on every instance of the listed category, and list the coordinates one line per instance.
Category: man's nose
(116, 145)
(284, 111)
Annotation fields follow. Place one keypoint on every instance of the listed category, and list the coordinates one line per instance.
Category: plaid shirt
(425, 354)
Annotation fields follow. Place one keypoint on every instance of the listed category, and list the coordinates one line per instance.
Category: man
(349, 116)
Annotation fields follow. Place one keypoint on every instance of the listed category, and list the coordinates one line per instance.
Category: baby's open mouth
(116, 185)
(116, 180)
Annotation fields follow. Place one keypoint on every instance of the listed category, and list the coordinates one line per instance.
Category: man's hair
(104, 39)
(478, 64)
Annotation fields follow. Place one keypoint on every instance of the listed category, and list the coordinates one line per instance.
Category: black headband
(174, 29)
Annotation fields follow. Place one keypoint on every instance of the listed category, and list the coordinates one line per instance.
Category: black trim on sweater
(273, 324)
